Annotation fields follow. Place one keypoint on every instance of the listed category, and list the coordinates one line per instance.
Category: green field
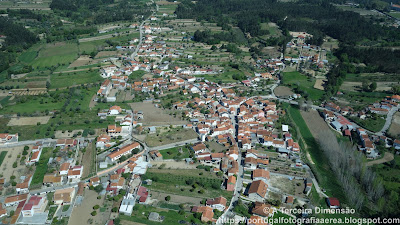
(321, 169)
(56, 54)
(28, 56)
(41, 168)
(2, 156)
(187, 182)
(305, 84)
(374, 125)
(395, 14)
(173, 153)
(141, 212)
(225, 77)
(61, 80)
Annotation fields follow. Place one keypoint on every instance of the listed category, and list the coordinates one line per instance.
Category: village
(193, 150)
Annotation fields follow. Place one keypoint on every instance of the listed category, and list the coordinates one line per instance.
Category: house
(289, 200)
(126, 150)
(15, 199)
(34, 157)
(260, 174)
(75, 173)
(256, 220)
(114, 130)
(52, 179)
(63, 196)
(36, 204)
(94, 181)
(333, 203)
(6, 138)
(103, 141)
(199, 148)
(207, 213)
(127, 204)
(23, 187)
(217, 203)
(156, 155)
(3, 211)
(64, 169)
(143, 195)
(396, 144)
(257, 190)
(231, 183)
(308, 186)
(262, 209)
(114, 110)
(66, 143)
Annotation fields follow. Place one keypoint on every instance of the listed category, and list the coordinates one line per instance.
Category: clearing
(81, 213)
(170, 136)
(153, 116)
(22, 121)
(282, 91)
(395, 126)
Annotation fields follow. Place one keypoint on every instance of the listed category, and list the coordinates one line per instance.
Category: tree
(115, 209)
(167, 198)
(96, 207)
(373, 86)
(94, 213)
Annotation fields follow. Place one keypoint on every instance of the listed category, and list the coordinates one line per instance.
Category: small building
(333, 203)
(153, 216)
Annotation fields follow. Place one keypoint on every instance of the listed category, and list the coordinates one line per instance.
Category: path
(386, 158)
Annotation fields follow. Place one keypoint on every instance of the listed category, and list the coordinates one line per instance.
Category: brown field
(81, 214)
(174, 165)
(6, 168)
(283, 91)
(34, 91)
(66, 134)
(105, 54)
(152, 140)
(395, 126)
(154, 116)
(83, 60)
(22, 121)
(175, 198)
(87, 159)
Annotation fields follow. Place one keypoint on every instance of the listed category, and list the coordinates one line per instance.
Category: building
(15, 199)
(262, 209)
(260, 174)
(36, 204)
(127, 204)
(52, 179)
(75, 173)
(126, 150)
(333, 203)
(6, 138)
(257, 190)
(231, 183)
(64, 169)
(114, 110)
(63, 196)
(217, 203)
(207, 213)
(23, 187)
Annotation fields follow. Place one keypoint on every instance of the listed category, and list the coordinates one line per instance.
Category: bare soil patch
(83, 60)
(174, 165)
(87, 159)
(81, 213)
(105, 54)
(386, 158)
(170, 137)
(175, 198)
(395, 126)
(154, 116)
(66, 134)
(282, 91)
(23, 121)
(319, 84)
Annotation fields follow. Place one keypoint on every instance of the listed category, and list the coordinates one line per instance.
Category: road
(162, 147)
(141, 33)
(388, 121)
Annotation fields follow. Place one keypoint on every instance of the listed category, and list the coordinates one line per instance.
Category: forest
(17, 39)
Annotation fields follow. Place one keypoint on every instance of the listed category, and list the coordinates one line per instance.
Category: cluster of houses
(124, 122)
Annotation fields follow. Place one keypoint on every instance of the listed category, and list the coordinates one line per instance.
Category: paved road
(389, 119)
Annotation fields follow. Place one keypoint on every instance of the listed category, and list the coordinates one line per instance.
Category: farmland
(170, 136)
(186, 182)
(302, 83)
(174, 153)
(63, 80)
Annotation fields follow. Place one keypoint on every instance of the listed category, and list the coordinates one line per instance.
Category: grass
(171, 217)
(304, 83)
(173, 153)
(187, 182)
(2, 156)
(55, 54)
(374, 125)
(52, 211)
(28, 56)
(395, 14)
(225, 77)
(65, 208)
(170, 136)
(63, 80)
(41, 168)
(321, 168)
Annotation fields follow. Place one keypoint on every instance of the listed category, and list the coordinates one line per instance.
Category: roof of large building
(258, 187)
(124, 150)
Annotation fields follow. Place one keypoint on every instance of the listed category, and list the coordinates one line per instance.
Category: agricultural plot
(154, 116)
(193, 183)
(63, 80)
(304, 83)
(395, 126)
(23, 121)
(170, 136)
(56, 54)
(177, 153)
(41, 168)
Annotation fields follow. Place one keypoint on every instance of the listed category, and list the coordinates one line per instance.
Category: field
(63, 80)
(320, 165)
(304, 83)
(173, 153)
(2, 156)
(23, 121)
(41, 168)
(394, 129)
(81, 214)
(56, 54)
(89, 160)
(33, 5)
(141, 213)
(193, 183)
(395, 14)
(170, 136)
(154, 116)
(371, 124)
(225, 77)
(282, 91)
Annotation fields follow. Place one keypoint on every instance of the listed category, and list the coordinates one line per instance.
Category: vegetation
(2, 156)
(41, 168)
(303, 85)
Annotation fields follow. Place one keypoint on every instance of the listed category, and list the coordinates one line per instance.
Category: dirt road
(386, 158)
